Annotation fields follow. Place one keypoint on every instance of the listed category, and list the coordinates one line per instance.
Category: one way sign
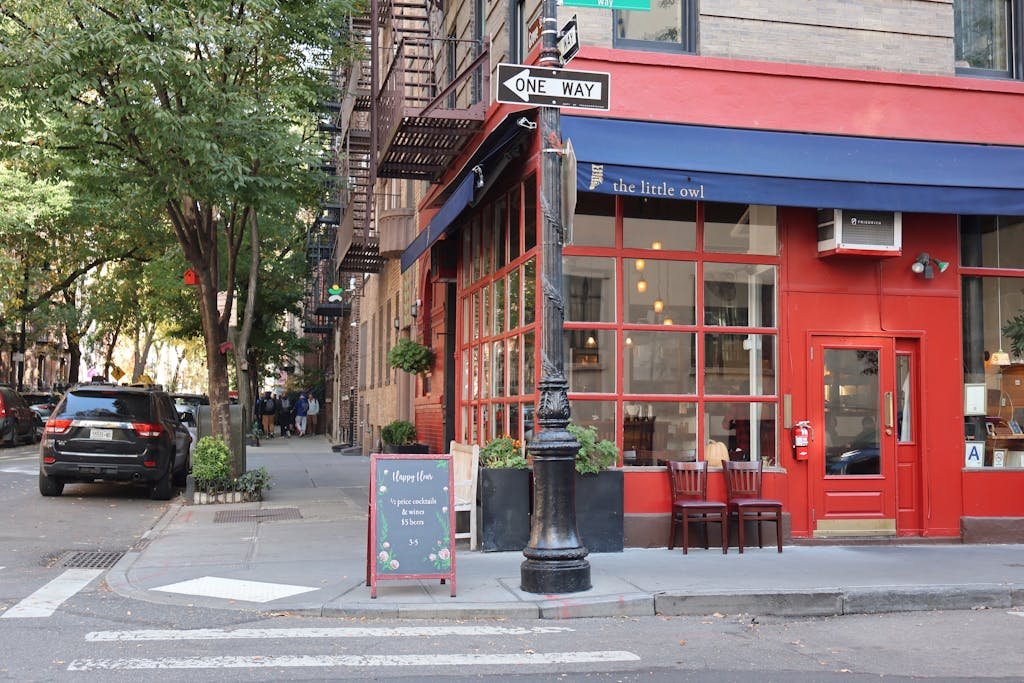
(518, 84)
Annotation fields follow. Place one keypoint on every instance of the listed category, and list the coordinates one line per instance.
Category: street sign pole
(556, 561)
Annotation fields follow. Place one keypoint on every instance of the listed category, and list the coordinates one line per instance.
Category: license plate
(101, 434)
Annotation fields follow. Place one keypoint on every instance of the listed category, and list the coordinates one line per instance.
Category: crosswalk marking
(47, 599)
(354, 632)
(234, 589)
(289, 661)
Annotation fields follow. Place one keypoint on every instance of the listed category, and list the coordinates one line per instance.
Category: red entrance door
(853, 461)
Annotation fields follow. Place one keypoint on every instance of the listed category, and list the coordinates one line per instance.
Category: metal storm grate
(265, 515)
(90, 559)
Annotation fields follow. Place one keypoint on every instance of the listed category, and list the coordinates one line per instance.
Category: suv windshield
(107, 404)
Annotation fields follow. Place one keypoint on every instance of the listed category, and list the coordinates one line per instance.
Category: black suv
(102, 432)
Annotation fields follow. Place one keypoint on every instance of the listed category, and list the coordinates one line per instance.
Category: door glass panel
(904, 400)
(852, 406)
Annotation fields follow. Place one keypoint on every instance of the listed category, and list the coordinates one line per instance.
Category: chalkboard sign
(411, 519)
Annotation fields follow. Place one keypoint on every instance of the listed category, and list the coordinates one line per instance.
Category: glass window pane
(486, 247)
(852, 412)
(476, 249)
(589, 286)
(475, 312)
(487, 311)
(500, 234)
(597, 414)
(476, 374)
(529, 363)
(499, 306)
(659, 363)
(467, 257)
(591, 360)
(746, 429)
(498, 419)
(465, 376)
(739, 364)
(656, 291)
(514, 427)
(485, 371)
(513, 366)
(498, 376)
(593, 223)
(992, 241)
(653, 432)
(739, 295)
(530, 292)
(740, 229)
(663, 23)
(529, 214)
(904, 400)
(514, 221)
(649, 223)
(981, 30)
(513, 299)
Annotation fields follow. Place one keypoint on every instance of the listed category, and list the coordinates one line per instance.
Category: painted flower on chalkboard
(441, 558)
(386, 560)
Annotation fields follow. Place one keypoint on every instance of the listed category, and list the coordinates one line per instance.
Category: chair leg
(672, 532)
(760, 543)
(778, 529)
(739, 526)
(686, 534)
(706, 523)
(723, 519)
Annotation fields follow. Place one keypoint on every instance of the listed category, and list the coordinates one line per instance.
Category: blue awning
(477, 176)
(641, 158)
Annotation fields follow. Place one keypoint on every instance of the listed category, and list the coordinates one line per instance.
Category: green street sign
(642, 5)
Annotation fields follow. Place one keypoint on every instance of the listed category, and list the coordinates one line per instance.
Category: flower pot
(504, 517)
(408, 448)
(599, 510)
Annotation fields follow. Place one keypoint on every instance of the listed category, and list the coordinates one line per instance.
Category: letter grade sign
(518, 84)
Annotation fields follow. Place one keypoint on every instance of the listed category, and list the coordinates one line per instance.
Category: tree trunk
(245, 399)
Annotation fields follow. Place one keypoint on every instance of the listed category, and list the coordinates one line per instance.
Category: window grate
(265, 515)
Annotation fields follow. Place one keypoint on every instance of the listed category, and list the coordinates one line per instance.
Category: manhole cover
(265, 515)
(92, 559)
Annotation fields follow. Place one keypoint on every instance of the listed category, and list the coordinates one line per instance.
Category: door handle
(889, 416)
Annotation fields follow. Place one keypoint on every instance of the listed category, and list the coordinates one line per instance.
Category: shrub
(398, 433)
(503, 451)
(411, 357)
(211, 461)
(593, 455)
(253, 483)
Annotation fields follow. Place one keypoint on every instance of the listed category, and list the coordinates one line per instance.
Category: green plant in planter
(593, 455)
(503, 452)
(411, 357)
(253, 482)
(1013, 329)
(211, 462)
(398, 433)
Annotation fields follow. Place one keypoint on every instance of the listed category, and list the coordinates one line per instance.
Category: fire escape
(430, 99)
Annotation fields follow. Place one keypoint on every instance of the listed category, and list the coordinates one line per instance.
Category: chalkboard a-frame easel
(412, 519)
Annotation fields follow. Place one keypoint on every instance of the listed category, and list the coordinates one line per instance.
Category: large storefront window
(497, 303)
(992, 263)
(670, 327)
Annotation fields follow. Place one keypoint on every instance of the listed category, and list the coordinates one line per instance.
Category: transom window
(669, 26)
(988, 38)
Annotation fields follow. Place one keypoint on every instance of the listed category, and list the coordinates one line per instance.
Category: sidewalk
(314, 563)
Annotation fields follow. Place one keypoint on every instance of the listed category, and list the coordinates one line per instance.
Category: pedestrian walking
(284, 416)
(301, 411)
(268, 413)
(313, 412)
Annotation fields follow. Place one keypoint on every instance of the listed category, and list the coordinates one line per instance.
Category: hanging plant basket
(411, 357)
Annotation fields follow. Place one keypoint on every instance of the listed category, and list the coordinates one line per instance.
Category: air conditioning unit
(855, 232)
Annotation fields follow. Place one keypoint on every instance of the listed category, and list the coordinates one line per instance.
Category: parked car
(42, 404)
(103, 432)
(17, 421)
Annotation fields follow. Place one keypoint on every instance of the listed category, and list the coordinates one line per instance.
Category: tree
(205, 105)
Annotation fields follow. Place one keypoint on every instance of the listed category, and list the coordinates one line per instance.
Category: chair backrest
(689, 480)
(465, 464)
(742, 479)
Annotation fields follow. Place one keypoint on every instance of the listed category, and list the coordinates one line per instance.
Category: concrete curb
(798, 603)
(883, 600)
(117, 576)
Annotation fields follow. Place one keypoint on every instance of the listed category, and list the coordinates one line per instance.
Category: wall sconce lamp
(397, 323)
(923, 265)
(591, 343)
(414, 309)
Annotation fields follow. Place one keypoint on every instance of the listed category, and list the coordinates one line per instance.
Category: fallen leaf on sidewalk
(682, 642)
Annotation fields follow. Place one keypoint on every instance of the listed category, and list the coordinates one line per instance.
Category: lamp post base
(555, 576)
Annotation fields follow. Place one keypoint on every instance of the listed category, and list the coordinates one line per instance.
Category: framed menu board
(411, 519)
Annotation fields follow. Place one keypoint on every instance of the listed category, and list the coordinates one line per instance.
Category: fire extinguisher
(801, 439)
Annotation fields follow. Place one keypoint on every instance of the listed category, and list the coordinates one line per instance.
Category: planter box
(193, 497)
(408, 449)
(599, 510)
(504, 517)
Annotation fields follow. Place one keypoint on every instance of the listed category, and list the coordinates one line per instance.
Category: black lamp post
(556, 561)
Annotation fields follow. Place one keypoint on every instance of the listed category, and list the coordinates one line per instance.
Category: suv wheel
(162, 488)
(50, 486)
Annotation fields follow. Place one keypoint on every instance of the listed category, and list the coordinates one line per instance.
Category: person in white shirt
(312, 413)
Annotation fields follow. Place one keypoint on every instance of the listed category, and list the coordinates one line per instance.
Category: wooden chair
(690, 504)
(465, 464)
(743, 489)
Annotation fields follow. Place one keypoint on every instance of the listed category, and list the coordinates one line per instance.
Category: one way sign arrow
(518, 84)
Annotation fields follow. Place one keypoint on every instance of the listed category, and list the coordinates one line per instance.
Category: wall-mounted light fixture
(414, 309)
(397, 323)
(591, 342)
(925, 265)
